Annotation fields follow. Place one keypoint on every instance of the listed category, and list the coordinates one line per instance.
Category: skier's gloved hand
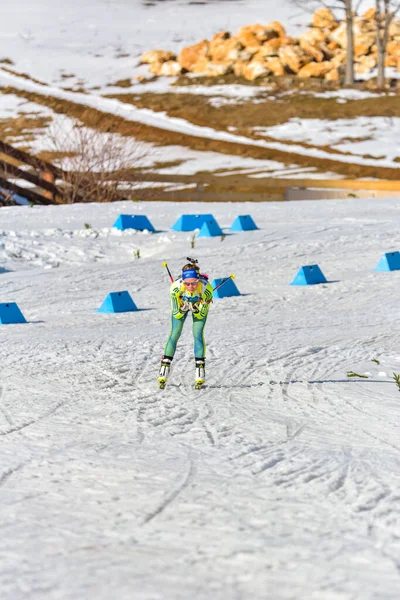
(184, 306)
(195, 307)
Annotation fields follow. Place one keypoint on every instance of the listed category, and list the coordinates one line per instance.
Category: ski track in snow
(281, 474)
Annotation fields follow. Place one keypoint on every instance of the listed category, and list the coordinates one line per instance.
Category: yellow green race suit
(200, 299)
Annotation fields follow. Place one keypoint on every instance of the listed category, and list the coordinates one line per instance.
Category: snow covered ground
(280, 480)
(99, 42)
(374, 136)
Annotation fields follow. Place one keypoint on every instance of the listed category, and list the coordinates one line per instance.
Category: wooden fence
(17, 165)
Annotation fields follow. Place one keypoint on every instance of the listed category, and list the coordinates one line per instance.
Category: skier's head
(190, 273)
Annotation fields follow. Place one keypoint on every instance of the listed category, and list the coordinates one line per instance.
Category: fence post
(50, 177)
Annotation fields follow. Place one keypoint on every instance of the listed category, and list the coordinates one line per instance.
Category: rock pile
(260, 50)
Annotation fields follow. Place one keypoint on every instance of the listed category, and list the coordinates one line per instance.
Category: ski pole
(231, 276)
(169, 272)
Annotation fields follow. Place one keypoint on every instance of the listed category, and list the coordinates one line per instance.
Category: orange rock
(339, 35)
(339, 59)
(332, 75)
(314, 36)
(254, 69)
(293, 57)
(394, 29)
(201, 65)
(239, 66)
(328, 53)
(312, 50)
(361, 48)
(246, 36)
(393, 48)
(365, 64)
(275, 66)
(369, 14)
(286, 40)
(170, 68)
(220, 36)
(315, 69)
(361, 37)
(271, 47)
(155, 67)
(217, 69)
(362, 25)
(277, 28)
(333, 45)
(157, 56)
(190, 55)
(324, 17)
(391, 61)
(222, 50)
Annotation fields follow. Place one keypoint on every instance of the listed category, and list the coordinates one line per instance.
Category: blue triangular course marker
(228, 289)
(138, 222)
(184, 223)
(309, 275)
(210, 228)
(10, 313)
(190, 222)
(118, 302)
(243, 223)
(389, 262)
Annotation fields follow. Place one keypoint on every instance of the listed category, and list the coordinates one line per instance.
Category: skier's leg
(199, 348)
(170, 347)
(174, 335)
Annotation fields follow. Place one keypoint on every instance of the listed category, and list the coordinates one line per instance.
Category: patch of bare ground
(23, 76)
(123, 83)
(54, 156)
(244, 116)
(22, 128)
(265, 112)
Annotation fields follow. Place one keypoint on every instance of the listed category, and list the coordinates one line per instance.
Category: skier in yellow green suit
(191, 293)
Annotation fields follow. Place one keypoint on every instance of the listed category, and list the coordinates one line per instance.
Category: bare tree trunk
(383, 20)
(380, 81)
(349, 72)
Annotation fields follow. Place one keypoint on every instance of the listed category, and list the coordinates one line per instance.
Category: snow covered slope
(99, 42)
(280, 480)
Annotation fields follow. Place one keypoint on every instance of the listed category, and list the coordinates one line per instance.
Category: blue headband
(190, 274)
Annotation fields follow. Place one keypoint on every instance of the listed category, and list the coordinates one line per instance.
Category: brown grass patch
(266, 113)
(24, 76)
(22, 128)
(123, 83)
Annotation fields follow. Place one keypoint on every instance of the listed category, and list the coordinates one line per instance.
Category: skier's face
(190, 283)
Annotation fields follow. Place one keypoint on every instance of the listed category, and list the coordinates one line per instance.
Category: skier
(192, 293)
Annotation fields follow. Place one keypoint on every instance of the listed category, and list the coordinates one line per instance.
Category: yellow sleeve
(205, 302)
(175, 293)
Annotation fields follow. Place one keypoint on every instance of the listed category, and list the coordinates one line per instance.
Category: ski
(162, 382)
